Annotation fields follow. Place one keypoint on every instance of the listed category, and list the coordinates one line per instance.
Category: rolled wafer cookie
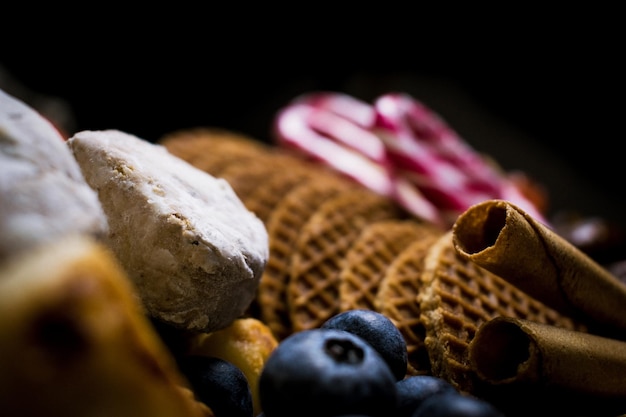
(507, 241)
(456, 298)
(571, 370)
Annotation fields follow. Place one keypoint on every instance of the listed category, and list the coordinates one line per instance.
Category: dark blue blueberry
(219, 384)
(456, 405)
(413, 390)
(377, 330)
(326, 372)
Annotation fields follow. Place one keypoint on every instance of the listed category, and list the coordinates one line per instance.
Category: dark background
(541, 92)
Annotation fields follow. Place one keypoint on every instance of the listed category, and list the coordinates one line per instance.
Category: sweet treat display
(75, 341)
(40, 181)
(192, 249)
(436, 296)
(369, 244)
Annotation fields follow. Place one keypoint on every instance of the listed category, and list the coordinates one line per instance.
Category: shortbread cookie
(192, 249)
(43, 195)
(397, 294)
(319, 256)
(456, 298)
(283, 227)
(75, 337)
(369, 257)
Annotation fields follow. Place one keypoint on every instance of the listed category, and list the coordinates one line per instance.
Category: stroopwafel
(312, 290)
(212, 149)
(283, 228)
(369, 257)
(268, 192)
(397, 299)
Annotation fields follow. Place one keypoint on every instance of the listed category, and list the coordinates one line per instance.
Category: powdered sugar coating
(192, 248)
(43, 195)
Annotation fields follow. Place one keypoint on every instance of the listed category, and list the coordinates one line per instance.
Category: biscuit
(319, 256)
(283, 228)
(212, 149)
(191, 247)
(43, 195)
(275, 186)
(369, 257)
(397, 294)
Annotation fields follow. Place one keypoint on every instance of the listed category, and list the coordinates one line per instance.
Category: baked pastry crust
(76, 342)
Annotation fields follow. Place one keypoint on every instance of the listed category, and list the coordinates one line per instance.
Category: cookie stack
(335, 245)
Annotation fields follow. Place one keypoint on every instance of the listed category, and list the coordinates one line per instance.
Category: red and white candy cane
(398, 148)
(429, 153)
(336, 129)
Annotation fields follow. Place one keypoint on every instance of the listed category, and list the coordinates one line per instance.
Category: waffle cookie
(283, 228)
(270, 190)
(313, 287)
(397, 294)
(456, 298)
(369, 257)
(213, 149)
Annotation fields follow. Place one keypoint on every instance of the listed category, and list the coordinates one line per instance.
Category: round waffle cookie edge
(370, 256)
(312, 289)
(212, 149)
(283, 226)
(396, 298)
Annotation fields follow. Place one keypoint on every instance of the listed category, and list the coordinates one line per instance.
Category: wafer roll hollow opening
(504, 350)
(518, 359)
(476, 239)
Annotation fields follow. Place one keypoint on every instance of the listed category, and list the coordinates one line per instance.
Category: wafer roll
(586, 369)
(510, 243)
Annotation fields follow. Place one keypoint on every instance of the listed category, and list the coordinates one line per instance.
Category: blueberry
(456, 405)
(219, 384)
(413, 390)
(377, 330)
(326, 372)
